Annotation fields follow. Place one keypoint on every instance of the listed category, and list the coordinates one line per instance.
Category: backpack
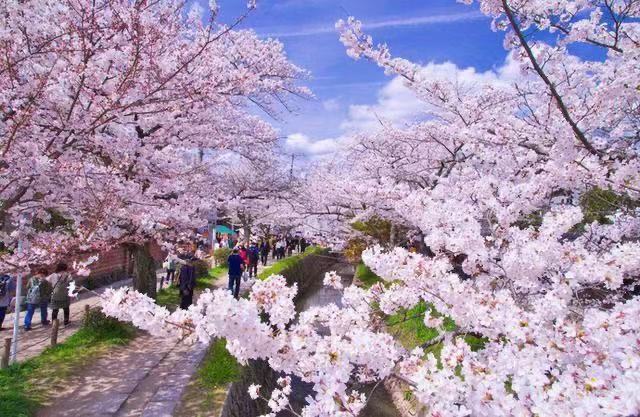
(4, 285)
(34, 291)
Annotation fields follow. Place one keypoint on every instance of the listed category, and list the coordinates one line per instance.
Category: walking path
(146, 378)
(32, 343)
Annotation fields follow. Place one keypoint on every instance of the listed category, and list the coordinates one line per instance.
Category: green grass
(207, 281)
(205, 395)
(170, 296)
(218, 367)
(286, 263)
(366, 276)
(25, 386)
(409, 329)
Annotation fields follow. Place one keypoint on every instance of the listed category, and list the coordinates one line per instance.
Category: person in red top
(243, 255)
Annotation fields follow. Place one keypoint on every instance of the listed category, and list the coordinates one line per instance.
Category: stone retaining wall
(238, 403)
(406, 405)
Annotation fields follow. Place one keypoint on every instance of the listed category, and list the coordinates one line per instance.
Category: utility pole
(293, 156)
(16, 316)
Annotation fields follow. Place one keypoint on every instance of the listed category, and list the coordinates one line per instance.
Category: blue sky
(349, 93)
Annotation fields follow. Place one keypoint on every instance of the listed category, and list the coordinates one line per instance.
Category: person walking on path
(303, 245)
(282, 247)
(291, 243)
(243, 254)
(187, 283)
(264, 252)
(253, 256)
(170, 265)
(7, 292)
(38, 294)
(274, 248)
(236, 266)
(60, 293)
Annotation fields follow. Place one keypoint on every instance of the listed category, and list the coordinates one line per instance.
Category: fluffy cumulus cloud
(303, 144)
(332, 104)
(397, 105)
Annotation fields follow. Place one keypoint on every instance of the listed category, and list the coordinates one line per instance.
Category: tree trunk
(144, 279)
(247, 233)
(392, 236)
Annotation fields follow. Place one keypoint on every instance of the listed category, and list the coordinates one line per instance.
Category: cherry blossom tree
(256, 191)
(107, 108)
(495, 177)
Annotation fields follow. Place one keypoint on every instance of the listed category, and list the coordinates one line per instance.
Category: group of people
(245, 259)
(225, 241)
(44, 290)
(283, 246)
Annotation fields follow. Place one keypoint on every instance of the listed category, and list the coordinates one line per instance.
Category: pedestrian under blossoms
(38, 294)
(274, 248)
(60, 294)
(243, 254)
(291, 244)
(187, 281)
(236, 267)
(280, 244)
(264, 252)
(253, 257)
(170, 265)
(7, 292)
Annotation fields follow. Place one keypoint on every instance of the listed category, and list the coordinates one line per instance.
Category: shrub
(354, 248)
(279, 267)
(201, 268)
(220, 256)
(366, 276)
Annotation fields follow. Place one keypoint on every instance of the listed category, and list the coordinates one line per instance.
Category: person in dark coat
(253, 257)
(303, 245)
(7, 293)
(186, 283)
(60, 294)
(265, 248)
(236, 266)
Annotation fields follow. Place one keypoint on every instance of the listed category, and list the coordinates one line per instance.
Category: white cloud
(303, 144)
(380, 24)
(397, 104)
(332, 104)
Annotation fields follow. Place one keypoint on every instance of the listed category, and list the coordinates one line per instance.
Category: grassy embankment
(286, 263)
(26, 386)
(408, 326)
(170, 296)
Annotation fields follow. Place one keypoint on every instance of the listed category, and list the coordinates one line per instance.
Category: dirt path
(32, 343)
(146, 378)
(195, 402)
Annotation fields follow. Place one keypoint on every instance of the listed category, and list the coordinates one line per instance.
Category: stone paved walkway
(32, 343)
(146, 378)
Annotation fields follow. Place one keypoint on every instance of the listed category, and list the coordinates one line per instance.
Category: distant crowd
(242, 262)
